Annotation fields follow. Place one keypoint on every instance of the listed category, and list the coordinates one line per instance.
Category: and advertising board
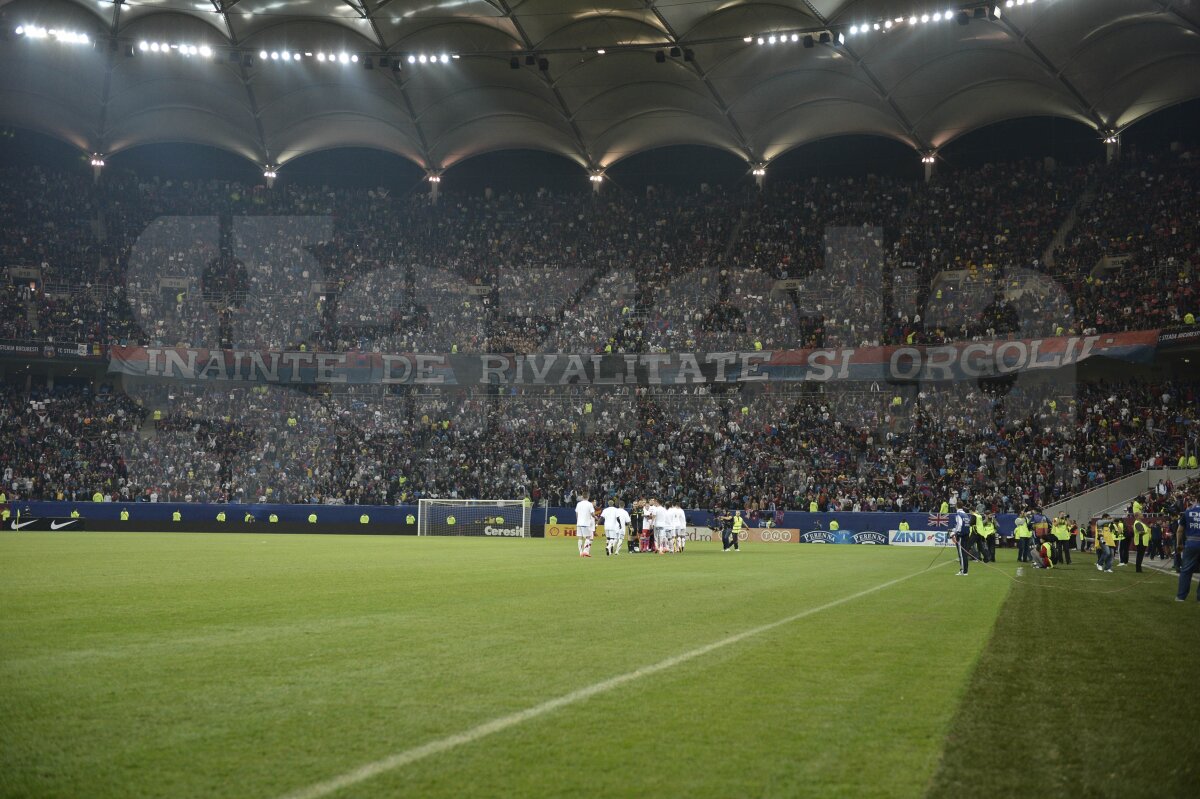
(919, 538)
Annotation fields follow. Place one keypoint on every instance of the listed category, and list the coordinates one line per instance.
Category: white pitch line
(392, 762)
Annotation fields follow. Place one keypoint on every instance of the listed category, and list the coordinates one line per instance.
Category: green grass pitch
(189, 665)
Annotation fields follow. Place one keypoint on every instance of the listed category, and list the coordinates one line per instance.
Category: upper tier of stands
(870, 260)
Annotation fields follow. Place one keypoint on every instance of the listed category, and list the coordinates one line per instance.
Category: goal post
(499, 518)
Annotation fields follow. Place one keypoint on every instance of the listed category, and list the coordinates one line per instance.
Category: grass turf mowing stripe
(1081, 691)
(401, 759)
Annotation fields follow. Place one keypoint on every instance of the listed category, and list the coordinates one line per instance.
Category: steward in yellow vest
(1062, 539)
(1141, 540)
(1022, 534)
(989, 540)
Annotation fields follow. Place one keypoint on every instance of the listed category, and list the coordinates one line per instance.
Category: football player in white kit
(644, 542)
(616, 519)
(678, 527)
(658, 518)
(585, 525)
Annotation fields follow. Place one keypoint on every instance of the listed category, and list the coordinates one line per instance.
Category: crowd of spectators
(867, 260)
(855, 447)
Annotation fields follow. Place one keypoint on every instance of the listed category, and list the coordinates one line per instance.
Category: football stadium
(633, 398)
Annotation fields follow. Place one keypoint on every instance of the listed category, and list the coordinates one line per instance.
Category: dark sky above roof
(1103, 63)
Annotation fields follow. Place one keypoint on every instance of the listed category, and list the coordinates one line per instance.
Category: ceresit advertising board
(919, 538)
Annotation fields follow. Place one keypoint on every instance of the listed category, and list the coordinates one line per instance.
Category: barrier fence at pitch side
(925, 529)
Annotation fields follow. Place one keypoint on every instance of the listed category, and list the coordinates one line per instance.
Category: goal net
(503, 518)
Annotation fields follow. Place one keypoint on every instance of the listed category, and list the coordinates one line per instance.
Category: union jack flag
(938, 520)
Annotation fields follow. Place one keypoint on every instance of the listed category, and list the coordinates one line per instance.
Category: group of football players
(652, 527)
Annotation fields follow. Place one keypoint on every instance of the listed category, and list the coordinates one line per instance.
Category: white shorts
(585, 532)
(680, 532)
(613, 534)
(660, 533)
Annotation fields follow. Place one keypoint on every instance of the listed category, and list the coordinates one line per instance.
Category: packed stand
(858, 447)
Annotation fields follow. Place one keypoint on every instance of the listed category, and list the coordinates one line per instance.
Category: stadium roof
(1105, 63)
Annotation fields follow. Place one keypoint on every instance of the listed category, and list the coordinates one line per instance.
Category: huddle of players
(662, 529)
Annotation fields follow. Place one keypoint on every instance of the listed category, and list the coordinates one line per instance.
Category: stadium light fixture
(97, 160)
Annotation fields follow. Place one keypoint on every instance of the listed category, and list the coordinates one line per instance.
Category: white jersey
(615, 519)
(658, 516)
(677, 518)
(585, 514)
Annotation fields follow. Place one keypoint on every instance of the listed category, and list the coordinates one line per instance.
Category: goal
(502, 518)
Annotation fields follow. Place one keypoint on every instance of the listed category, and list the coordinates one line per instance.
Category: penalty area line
(401, 759)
